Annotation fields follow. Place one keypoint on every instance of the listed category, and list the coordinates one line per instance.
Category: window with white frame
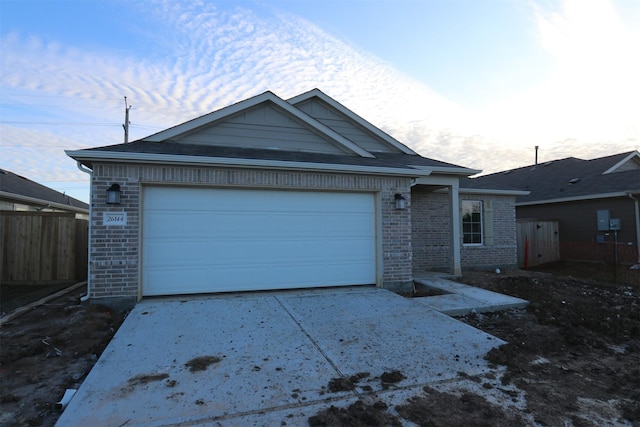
(472, 222)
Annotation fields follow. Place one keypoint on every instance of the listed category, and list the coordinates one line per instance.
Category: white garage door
(198, 240)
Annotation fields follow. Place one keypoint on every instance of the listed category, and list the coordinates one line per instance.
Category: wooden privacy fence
(538, 242)
(42, 247)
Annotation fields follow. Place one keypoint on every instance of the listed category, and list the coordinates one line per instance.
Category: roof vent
(574, 180)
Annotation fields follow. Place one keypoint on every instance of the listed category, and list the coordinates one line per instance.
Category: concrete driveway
(267, 358)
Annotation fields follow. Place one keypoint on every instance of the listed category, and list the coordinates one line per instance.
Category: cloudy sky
(477, 83)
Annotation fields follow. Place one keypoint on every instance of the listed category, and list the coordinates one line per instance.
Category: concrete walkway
(268, 358)
(460, 299)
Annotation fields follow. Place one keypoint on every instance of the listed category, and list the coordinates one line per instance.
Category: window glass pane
(471, 222)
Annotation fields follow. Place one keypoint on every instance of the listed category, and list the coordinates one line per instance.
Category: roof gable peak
(629, 162)
(266, 98)
(353, 117)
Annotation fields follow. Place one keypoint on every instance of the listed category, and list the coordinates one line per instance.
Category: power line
(6, 104)
(24, 122)
(50, 96)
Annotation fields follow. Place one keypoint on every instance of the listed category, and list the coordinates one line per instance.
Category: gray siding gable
(336, 121)
(264, 126)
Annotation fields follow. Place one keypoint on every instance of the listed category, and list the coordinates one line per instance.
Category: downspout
(88, 171)
(637, 215)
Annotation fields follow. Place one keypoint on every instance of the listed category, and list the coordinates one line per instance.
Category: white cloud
(591, 95)
(201, 58)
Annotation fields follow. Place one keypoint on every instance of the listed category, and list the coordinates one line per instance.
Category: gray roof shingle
(388, 160)
(566, 178)
(21, 186)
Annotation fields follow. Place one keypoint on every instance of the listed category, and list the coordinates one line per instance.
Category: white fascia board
(580, 198)
(494, 192)
(192, 124)
(444, 180)
(448, 170)
(250, 103)
(36, 201)
(621, 162)
(353, 116)
(120, 157)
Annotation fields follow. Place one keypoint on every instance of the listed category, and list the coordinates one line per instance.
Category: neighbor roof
(570, 179)
(190, 142)
(23, 190)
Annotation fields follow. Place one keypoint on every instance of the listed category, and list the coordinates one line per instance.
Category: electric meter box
(603, 220)
(614, 224)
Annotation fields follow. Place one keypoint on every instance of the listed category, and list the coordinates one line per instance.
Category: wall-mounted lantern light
(400, 201)
(113, 194)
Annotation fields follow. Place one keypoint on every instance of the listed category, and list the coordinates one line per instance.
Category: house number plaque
(114, 218)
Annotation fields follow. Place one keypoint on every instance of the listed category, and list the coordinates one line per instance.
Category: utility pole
(126, 120)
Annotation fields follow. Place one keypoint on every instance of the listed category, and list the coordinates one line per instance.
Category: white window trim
(481, 223)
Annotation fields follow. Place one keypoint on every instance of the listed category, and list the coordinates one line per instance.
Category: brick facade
(430, 232)
(500, 248)
(115, 249)
(430, 224)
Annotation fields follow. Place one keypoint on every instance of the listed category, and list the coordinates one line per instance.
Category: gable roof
(571, 179)
(351, 116)
(212, 146)
(211, 119)
(629, 161)
(168, 152)
(23, 190)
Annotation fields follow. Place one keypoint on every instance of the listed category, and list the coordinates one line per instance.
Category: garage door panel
(190, 223)
(290, 224)
(159, 253)
(258, 277)
(213, 240)
(291, 250)
(175, 280)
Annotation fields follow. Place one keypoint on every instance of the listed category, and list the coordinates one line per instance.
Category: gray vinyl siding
(335, 121)
(263, 127)
(577, 221)
(628, 166)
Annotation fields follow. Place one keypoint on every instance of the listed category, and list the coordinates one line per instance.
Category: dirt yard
(574, 354)
(47, 350)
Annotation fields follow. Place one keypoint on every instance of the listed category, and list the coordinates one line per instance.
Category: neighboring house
(583, 196)
(44, 233)
(275, 194)
(18, 193)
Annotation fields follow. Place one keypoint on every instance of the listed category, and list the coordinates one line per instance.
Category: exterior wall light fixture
(400, 201)
(113, 194)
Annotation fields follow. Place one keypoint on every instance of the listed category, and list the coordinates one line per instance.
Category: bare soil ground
(575, 350)
(574, 353)
(47, 350)
(14, 296)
